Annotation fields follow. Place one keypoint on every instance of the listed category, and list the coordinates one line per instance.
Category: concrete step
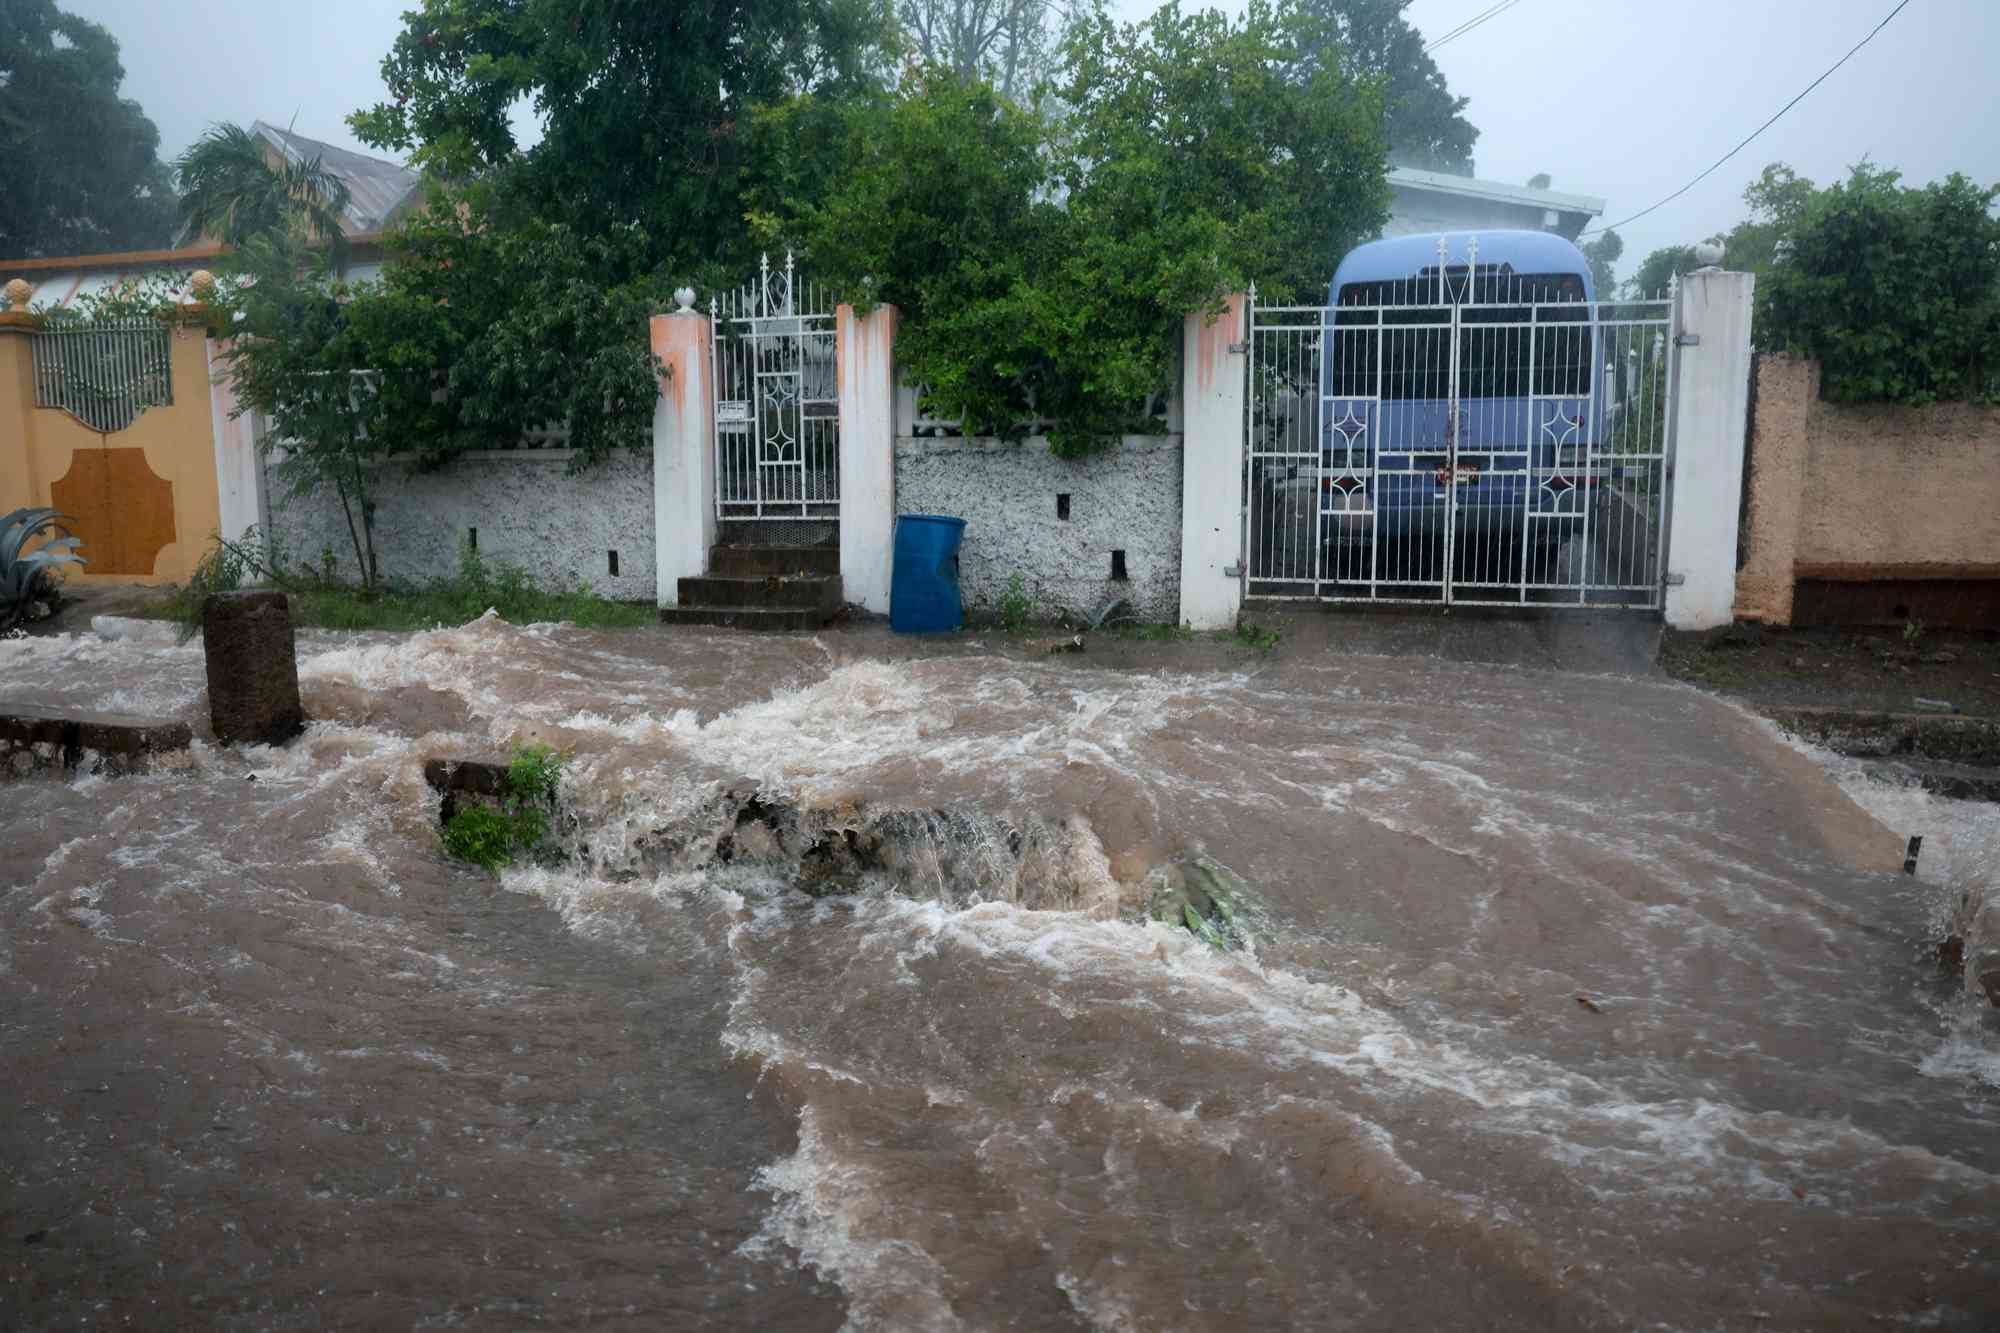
(751, 561)
(747, 617)
(773, 590)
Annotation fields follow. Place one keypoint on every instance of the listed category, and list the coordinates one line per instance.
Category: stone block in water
(253, 668)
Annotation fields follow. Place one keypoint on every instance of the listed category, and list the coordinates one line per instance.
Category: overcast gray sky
(1623, 99)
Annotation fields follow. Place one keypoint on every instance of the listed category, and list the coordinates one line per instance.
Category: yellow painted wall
(38, 447)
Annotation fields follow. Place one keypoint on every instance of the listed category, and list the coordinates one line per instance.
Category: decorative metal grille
(104, 374)
(1470, 435)
(777, 400)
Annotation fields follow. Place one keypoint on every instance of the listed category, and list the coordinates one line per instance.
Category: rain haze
(1624, 101)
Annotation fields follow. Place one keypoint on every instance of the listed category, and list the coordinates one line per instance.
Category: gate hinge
(1238, 349)
(1687, 340)
(1677, 580)
(1234, 571)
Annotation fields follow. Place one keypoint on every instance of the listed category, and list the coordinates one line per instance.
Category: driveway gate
(777, 401)
(1469, 435)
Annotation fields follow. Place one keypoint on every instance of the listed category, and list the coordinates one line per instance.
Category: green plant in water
(1247, 634)
(482, 835)
(491, 835)
(1016, 606)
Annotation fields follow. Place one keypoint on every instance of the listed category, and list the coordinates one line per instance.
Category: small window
(472, 538)
(611, 560)
(1062, 505)
(1118, 573)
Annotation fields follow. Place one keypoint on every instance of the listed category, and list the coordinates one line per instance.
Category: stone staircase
(762, 587)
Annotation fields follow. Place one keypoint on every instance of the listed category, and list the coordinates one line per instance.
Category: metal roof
(377, 189)
(1440, 182)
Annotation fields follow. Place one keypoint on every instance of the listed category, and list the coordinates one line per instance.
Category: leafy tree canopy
(644, 107)
(1603, 254)
(1043, 268)
(1895, 290)
(232, 191)
(83, 169)
(1424, 122)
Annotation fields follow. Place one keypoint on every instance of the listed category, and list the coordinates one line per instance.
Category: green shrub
(1016, 607)
(1896, 291)
(482, 835)
(518, 824)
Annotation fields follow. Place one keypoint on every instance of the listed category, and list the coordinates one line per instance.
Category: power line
(1754, 133)
(1492, 12)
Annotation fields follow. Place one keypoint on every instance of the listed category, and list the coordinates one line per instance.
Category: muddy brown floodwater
(1573, 1002)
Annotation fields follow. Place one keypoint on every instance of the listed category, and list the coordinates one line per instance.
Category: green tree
(1777, 200)
(527, 327)
(1603, 254)
(83, 171)
(644, 107)
(1044, 268)
(319, 358)
(1424, 123)
(231, 190)
(1895, 290)
(1658, 269)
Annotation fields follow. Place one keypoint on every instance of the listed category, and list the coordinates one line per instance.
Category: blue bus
(1460, 402)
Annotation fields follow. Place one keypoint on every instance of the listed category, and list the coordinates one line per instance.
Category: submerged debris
(1205, 898)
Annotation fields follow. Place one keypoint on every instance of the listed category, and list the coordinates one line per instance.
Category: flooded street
(1572, 1001)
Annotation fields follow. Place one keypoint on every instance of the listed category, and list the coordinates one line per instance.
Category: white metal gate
(1468, 435)
(777, 401)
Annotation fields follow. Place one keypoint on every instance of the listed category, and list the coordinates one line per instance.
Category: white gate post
(866, 353)
(1711, 410)
(683, 447)
(1212, 467)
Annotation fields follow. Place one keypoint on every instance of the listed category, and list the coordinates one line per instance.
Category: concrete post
(866, 352)
(1787, 388)
(253, 667)
(683, 448)
(239, 491)
(1212, 467)
(1711, 409)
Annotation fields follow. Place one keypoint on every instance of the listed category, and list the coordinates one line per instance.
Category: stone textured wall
(1901, 492)
(529, 512)
(1125, 499)
(1787, 388)
(1864, 493)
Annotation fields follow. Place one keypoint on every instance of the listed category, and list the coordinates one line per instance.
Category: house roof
(1439, 182)
(378, 190)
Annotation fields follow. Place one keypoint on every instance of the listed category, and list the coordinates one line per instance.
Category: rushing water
(1568, 1005)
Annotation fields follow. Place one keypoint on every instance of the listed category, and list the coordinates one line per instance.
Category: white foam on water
(823, 1210)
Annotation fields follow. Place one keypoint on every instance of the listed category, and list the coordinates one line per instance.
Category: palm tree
(230, 190)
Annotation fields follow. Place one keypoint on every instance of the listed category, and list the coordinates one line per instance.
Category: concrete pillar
(1787, 388)
(20, 487)
(1212, 467)
(239, 487)
(253, 668)
(866, 354)
(1711, 410)
(683, 448)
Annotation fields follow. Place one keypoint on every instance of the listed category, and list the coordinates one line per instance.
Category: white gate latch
(1677, 580)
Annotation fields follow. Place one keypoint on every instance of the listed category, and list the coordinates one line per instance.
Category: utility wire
(1492, 12)
(1754, 133)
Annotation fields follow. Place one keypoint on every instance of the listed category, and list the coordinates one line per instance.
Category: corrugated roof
(376, 188)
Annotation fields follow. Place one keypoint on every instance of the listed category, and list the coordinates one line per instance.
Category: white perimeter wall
(529, 511)
(1127, 498)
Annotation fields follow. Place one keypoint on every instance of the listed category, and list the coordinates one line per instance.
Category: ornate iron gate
(1468, 435)
(777, 401)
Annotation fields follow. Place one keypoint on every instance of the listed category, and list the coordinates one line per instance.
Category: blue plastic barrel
(923, 585)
